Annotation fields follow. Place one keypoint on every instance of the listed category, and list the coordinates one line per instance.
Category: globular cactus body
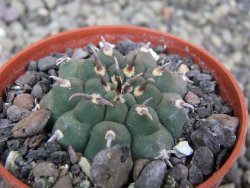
(131, 96)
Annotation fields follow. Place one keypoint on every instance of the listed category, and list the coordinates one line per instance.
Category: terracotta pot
(228, 86)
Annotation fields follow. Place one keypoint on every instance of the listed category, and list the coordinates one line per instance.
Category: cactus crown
(111, 99)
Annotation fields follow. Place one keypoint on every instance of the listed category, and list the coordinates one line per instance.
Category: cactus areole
(111, 99)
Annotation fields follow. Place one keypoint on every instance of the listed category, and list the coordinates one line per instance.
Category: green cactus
(111, 99)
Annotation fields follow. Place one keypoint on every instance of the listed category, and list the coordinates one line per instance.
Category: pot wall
(228, 86)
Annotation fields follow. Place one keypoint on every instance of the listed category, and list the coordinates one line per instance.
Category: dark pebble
(209, 135)
(221, 158)
(126, 46)
(38, 184)
(2, 147)
(179, 172)
(5, 133)
(192, 73)
(52, 147)
(20, 161)
(229, 138)
(208, 86)
(13, 145)
(202, 77)
(203, 158)
(195, 175)
(40, 89)
(34, 155)
(185, 184)
(10, 97)
(32, 66)
(5, 155)
(188, 61)
(175, 161)
(152, 175)
(17, 113)
(52, 72)
(75, 169)
(46, 63)
(29, 78)
(25, 170)
(204, 112)
(59, 157)
(4, 123)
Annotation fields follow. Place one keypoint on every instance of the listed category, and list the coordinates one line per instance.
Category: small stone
(85, 184)
(179, 172)
(10, 163)
(64, 182)
(202, 77)
(75, 169)
(185, 184)
(32, 66)
(25, 101)
(46, 63)
(5, 133)
(44, 169)
(72, 155)
(138, 166)
(209, 135)
(31, 125)
(183, 69)
(208, 86)
(52, 147)
(4, 123)
(79, 53)
(195, 175)
(36, 140)
(40, 89)
(10, 97)
(203, 158)
(221, 158)
(229, 138)
(192, 98)
(59, 157)
(204, 112)
(182, 149)
(52, 72)
(16, 113)
(29, 78)
(34, 155)
(85, 166)
(111, 167)
(13, 145)
(226, 120)
(152, 175)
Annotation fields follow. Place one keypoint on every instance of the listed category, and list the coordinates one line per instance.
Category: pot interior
(228, 87)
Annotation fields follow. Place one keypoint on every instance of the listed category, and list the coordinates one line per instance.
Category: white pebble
(182, 149)
(85, 166)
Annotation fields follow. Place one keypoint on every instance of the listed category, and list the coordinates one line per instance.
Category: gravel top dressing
(117, 115)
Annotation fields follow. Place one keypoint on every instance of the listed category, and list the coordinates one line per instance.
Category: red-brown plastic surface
(228, 86)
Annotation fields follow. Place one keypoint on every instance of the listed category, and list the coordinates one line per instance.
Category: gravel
(209, 24)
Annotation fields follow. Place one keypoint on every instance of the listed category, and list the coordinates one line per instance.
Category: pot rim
(217, 176)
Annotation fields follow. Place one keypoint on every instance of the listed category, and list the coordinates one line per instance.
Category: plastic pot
(228, 86)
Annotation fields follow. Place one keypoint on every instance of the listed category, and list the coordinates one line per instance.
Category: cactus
(111, 99)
